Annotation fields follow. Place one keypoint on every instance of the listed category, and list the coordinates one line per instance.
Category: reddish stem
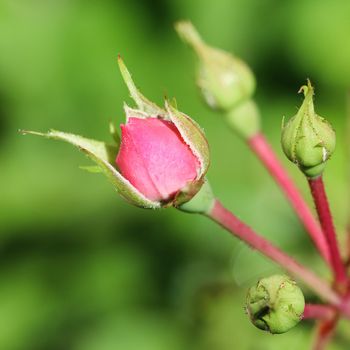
(325, 331)
(265, 153)
(325, 216)
(347, 261)
(318, 312)
(239, 229)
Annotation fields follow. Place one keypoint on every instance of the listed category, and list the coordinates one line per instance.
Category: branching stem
(318, 312)
(231, 223)
(266, 154)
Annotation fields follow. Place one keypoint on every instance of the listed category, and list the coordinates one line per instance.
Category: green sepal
(193, 135)
(201, 203)
(188, 192)
(114, 133)
(93, 169)
(141, 101)
(135, 113)
(104, 156)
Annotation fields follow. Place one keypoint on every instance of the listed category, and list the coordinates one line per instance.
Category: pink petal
(132, 166)
(154, 158)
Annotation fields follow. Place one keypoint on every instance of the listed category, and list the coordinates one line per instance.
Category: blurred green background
(82, 270)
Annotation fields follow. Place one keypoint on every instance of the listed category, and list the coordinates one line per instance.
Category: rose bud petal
(155, 159)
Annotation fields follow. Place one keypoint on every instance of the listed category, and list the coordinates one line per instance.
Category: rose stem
(237, 228)
(324, 333)
(318, 312)
(348, 173)
(267, 156)
(325, 216)
(347, 262)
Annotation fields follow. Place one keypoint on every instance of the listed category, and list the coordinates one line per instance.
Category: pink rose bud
(162, 162)
(155, 159)
(162, 156)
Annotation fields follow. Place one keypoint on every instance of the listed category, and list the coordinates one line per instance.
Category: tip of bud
(29, 132)
(275, 304)
(307, 90)
(143, 104)
(225, 81)
(189, 34)
(308, 140)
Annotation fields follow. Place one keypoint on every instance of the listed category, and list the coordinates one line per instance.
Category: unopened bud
(275, 304)
(308, 140)
(225, 80)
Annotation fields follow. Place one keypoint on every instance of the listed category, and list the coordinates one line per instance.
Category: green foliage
(80, 269)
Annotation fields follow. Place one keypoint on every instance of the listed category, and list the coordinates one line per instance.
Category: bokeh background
(82, 270)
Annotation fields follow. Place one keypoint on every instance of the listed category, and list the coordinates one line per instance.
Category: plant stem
(230, 222)
(318, 312)
(325, 216)
(265, 153)
(324, 333)
(347, 261)
(348, 175)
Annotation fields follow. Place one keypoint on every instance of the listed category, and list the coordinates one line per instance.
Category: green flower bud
(275, 304)
(308, 140)
(225, 81)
